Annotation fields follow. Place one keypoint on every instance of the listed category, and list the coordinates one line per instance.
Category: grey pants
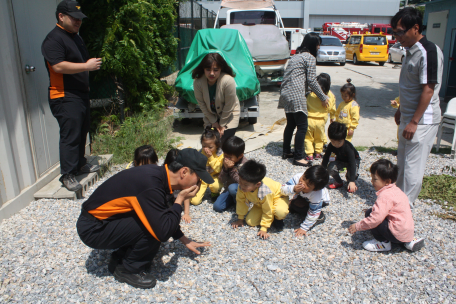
(335, 166)
(411, 159)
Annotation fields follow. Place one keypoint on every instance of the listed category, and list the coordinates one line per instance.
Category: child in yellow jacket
(317, 118)
(269, 204)
(348, 111)
(210, 141)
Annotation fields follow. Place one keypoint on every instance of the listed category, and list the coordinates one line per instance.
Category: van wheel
(381, 63)
(355, 60)
(253, 120)
(342, 63)
(389, 59)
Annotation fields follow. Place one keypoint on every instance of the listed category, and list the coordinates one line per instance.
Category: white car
(331, 50)
(396, 53)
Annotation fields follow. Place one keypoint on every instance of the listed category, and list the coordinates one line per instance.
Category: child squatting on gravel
(171, 156)
(390, 219)
(309, 197)
(210, 141)
(348, 111)
(266, 197)
(317, 118)
(233, 150)
(144, 155)
(346, 157)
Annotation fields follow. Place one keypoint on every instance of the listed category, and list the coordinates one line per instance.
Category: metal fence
(192, 16)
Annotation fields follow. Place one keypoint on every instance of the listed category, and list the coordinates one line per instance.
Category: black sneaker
(324, 204)
(70, 182)
(88, 168)
(321, 220)
(278, 224)
(139, 280)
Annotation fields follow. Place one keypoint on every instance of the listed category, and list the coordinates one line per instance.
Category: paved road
(375, 85)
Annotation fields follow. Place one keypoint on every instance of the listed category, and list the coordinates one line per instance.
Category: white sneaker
(415, 245)
(374, 245)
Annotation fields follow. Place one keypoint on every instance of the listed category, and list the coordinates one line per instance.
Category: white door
(436, 27)
(34, 20)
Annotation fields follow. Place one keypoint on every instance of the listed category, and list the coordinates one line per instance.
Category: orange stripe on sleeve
(123, 205)
(56, 86)
(169, 181)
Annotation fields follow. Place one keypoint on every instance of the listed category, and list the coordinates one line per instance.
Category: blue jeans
(226, 199)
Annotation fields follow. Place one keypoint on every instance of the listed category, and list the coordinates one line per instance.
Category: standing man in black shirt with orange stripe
(68, 64)
(130, 211)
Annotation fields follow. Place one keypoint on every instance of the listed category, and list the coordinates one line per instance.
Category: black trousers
(382, 233)
(73, 116)
(335, 166)
(127, 233)
(295, 120)
(228, 133)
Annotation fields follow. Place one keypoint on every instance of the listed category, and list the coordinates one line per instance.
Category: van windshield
(326, 41)
(252, 17)
(375, 40)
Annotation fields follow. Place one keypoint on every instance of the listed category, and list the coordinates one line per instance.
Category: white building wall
(311, 10)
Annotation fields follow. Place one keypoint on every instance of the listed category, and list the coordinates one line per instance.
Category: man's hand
(397, 117)
(238, 223)
(221, 130)
(187, 218)
(207, 151)
(263, 235)
(409, 130)
(300, 232)
(191, 245)
(228, 163)
(352, 228)
(188, 193)
(352, 187)
(351, 132)
(298, 188)
(93, 64)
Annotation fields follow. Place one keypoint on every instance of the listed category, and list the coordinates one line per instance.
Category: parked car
(367, 47)
(396, 53)
(331, 50)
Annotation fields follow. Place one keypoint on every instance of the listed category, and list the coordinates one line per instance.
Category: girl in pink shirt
(390, 219)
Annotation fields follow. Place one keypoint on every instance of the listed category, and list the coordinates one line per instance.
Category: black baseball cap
(196, 161)
(71, 8)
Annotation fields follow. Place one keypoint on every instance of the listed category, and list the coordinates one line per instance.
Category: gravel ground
(43, 260)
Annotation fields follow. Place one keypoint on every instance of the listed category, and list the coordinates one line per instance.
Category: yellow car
(367, 47)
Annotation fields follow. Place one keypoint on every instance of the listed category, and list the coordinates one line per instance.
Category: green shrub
(136, 42)
(146, 128)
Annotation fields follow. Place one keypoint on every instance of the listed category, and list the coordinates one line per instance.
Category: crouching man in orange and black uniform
(130, 212)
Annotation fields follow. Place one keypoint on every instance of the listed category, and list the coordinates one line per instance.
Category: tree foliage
(135, 39)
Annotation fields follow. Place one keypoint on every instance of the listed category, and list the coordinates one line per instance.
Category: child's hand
(351, 132)
(331, 120)
(298, 188)
(352, 187)
(352, 228)
(187, 218)
(393, 102)
(263, 234)
(207, 151)
(228, 163)
(300, 232)
(238, 223)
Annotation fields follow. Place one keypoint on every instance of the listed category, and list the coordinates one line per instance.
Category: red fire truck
(343, 30)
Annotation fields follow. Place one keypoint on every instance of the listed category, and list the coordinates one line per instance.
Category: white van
(262, 28)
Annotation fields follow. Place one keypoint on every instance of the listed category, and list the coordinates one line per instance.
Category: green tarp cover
(232, 47)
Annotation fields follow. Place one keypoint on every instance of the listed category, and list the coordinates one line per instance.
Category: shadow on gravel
(164, 264)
